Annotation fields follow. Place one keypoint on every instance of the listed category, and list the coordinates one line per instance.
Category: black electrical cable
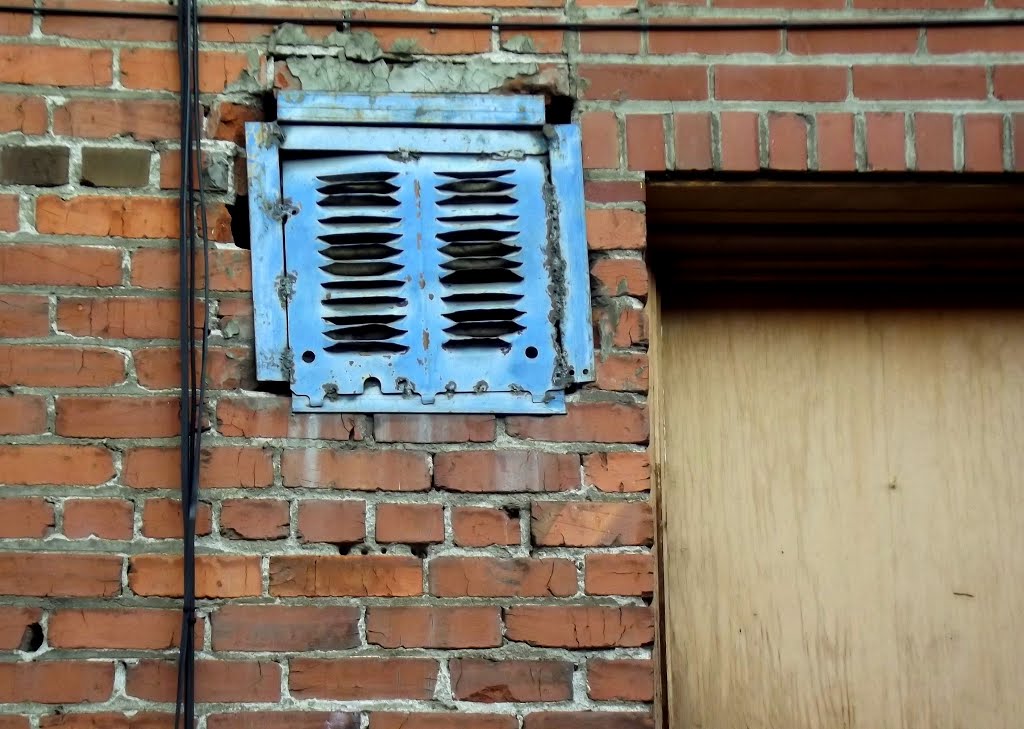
(654, 25)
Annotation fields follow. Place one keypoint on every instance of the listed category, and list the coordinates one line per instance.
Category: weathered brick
(34, 165)
(506, 471)
(266, 417)
(117, 417)
(159, 368)
(619, 574)
(592, 524)
(56, 682)
(600, 130)
(117, 216)
(510, 680)
(740, 148)
(27, 518)
(493, 577)
(622, 323)
(410, 523)
(616, 229)
(55, 66)
(277, 719)
(60, 265)
(886, 142)
(645, 142)
(588, 720)
(442, 720)
(25, 114)
(284, 628)
(787, 142)
(623, 372)
(780, 83)
(693, 141)
(479, 526)
(580, 627)
(254, 519)
(983, 143)
(356, 470)
(157, 268)
(108, 720)
(352, 679)
(618, 472)
(9, 207)
(599, 422)
(144, 120)
(620, 276)
(620, 680)
(341, 575)
(161, 519)
(62, 366)
(656, 83)
(51, 574)
(115, 167)
(103, 518)
(58, 465)
(16, 627)
(159, 468)
(120, 317)
(134, 628)
(933, 136)
(336, 522)
(836, 147)
(22, 414)
(227, 121)
(152, 68)
(886, 82)
(391, 428)
(216, 576)
(249, 681)
(434, 627)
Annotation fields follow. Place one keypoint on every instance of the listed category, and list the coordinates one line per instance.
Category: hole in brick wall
(32, 639)
(273, 388)
(512, 511)
(383, 550)
(349, 548)
(269, 103)
(418, 550)
(239, 211)
(648, 598)
(559, 109)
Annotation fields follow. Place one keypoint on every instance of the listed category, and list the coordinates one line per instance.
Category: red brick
(619, 574)
(506, 471)
(595, 422)
(91, 27)
(356, 470)
(145, 120)
(278, 719)
(24, 315)
(621, 324)
(657, 83)
(55, 66)
(510, 680)
(108, 720)
(479, 526)
(117, 417)
(16, 24)
(499, 3)
(25, 114)
(22, 414)
(353, 679)
(622, 680)
(616, 229)
(541, 41)
(344, 576)
(600, 130)
(249, 681)
(337, 522)
(591, 719)
(118, 216)
(433, 428)
(9, 206)
(1008, 82)
(614, 191)
(693, 141)
(1018, 136)
(580, 627)
(254, 519)
(620, 276)
(134, 628)
(216, 576)
(46, 574)
(150, 68)
(410, 523)
(491, 577)
(918, 4)
(610, 41)
(787, 142)
(780, 83)
(16, 625)
(161, 519)
(919, 82)
(618, 472)
(56, 682)
(9, 721)
(272, 418)
(718, 43)
(592, 524)
(103, 518)
(983, 143)
(157, 268)
(739, 141)
(977, 40)
(119, 317)
(59, 465)
(285, 628)
(227, 122)
(156, 468)
(29, 518)
(836, 150)
(433, 41)
(60, 366)
(774, 4)
(60, 265)
(886, 142)
(623, 372)
(849, 42)
(645, 142)
(442, 720)
(434, 627)
(159, 368)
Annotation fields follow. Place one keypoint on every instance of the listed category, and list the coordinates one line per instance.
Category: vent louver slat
(365, 317)
(481, 257)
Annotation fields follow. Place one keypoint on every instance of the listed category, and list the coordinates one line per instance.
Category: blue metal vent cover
(419, 254)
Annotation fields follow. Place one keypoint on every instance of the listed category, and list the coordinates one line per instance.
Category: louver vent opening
(362, 274)
(482, 255)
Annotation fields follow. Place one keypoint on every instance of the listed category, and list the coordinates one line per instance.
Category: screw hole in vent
(308, 356)
(531, 353)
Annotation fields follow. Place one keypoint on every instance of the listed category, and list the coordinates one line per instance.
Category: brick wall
(379, 570)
